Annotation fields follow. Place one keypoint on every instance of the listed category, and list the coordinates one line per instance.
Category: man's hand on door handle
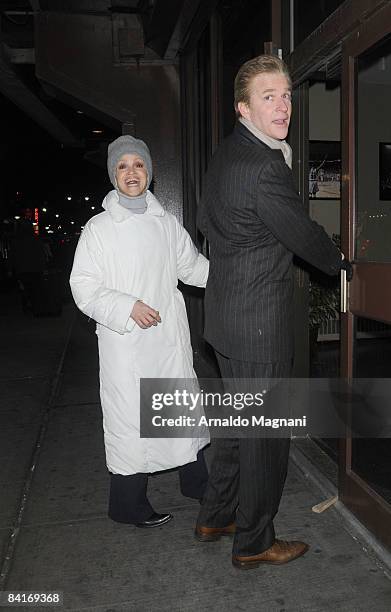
(347, 266)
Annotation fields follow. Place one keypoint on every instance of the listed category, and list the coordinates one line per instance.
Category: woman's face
(131, 174)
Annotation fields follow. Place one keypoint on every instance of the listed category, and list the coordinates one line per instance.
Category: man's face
(270, 106)
(131, 175)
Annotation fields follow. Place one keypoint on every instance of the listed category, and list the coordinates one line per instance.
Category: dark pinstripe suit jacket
(255, 222)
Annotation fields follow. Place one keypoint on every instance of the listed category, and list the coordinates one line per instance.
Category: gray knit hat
(127, 144)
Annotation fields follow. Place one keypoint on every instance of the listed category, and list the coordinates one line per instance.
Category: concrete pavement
(54, 531)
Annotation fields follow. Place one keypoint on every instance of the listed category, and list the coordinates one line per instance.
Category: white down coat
(122, 257)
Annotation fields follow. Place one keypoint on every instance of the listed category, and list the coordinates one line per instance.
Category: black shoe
(155, 520)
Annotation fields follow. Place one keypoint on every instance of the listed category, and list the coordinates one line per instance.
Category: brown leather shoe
(280, 552)
(212, 534)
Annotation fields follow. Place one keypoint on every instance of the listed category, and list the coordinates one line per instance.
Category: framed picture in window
(324, 169)
(384, 170)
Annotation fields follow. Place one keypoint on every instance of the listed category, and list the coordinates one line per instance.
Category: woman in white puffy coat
(125, 274)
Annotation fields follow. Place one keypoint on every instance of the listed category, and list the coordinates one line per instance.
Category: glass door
(365, 463)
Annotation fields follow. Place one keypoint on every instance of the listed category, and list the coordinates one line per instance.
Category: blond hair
(257, 65)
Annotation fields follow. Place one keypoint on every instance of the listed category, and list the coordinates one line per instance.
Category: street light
(69, 198)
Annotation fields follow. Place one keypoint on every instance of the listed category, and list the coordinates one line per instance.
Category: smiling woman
(129, 165)
(132, 175)
(125, 276)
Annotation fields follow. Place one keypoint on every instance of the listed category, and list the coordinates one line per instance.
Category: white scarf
(273, 143)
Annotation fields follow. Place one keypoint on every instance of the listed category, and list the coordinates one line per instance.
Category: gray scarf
(136, 204)
(273, 143)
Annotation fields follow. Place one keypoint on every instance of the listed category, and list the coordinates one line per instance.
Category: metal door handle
(344, 292)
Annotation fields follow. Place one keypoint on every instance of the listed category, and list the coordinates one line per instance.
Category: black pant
(128, 502)
(247, 475)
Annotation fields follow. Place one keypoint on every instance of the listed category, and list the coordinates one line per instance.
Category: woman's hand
(144, 315)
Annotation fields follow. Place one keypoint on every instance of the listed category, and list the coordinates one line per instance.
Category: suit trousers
(128, 501)
(247, 475)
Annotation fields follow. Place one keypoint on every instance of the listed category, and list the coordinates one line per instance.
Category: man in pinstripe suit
(254, 222)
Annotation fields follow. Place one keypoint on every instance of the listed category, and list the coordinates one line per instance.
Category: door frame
(369, 507)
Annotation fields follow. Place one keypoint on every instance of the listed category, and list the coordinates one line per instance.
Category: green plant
(323, 303)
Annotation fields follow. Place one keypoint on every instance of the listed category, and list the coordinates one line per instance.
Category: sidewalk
(63, 540)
